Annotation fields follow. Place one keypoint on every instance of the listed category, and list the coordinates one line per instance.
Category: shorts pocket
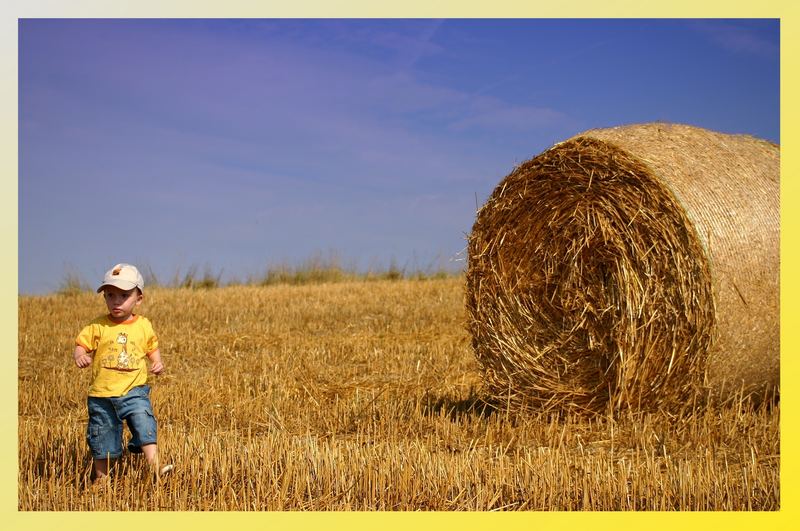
(102, 441)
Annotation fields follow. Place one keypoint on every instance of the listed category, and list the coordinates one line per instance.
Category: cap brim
(121, 284)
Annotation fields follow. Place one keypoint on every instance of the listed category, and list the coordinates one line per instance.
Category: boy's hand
(82, 359)
(156, 367)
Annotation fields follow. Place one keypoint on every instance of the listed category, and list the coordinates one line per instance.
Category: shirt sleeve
(89, 338)
(151, 343)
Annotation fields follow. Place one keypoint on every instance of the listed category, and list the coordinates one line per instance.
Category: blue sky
(235, 144)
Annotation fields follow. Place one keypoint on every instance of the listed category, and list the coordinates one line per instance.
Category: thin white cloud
(406, 43)
(736, 38)
(511, 118)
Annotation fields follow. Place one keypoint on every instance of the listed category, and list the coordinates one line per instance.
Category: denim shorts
(106, 415)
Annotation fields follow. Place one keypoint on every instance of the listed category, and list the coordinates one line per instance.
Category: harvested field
(360, 396)
(635, 267)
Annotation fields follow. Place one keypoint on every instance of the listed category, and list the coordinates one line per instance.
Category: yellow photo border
(785, 10)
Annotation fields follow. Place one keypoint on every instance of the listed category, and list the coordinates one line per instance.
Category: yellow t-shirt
(120, 350)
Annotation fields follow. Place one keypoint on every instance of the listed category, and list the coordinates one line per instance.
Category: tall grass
(359, 396)
(316, 269)
(72, 284)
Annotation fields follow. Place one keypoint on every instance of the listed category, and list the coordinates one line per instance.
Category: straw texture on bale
(635, 266)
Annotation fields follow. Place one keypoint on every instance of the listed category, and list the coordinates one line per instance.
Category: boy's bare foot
(159, 474)
(100, 482)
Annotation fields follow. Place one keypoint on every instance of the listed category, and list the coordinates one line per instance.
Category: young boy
(116, 346)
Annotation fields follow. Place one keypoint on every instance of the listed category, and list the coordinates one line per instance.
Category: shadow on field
(454, 407)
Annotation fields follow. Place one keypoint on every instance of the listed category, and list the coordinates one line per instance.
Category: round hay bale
(635, 266)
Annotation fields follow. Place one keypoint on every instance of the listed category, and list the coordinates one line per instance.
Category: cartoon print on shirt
(123, 360)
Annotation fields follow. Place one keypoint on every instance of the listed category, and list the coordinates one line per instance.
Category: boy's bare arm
(156, 366)
(81, 357)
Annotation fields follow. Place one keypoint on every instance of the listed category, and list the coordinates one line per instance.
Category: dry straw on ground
(358, 396)
(635, 266)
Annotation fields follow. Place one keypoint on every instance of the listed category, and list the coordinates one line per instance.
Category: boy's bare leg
(100, 469)
(150, 452)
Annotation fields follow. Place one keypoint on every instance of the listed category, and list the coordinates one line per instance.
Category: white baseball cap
(123, 276)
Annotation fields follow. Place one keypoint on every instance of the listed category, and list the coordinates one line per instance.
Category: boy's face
(121, 303)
